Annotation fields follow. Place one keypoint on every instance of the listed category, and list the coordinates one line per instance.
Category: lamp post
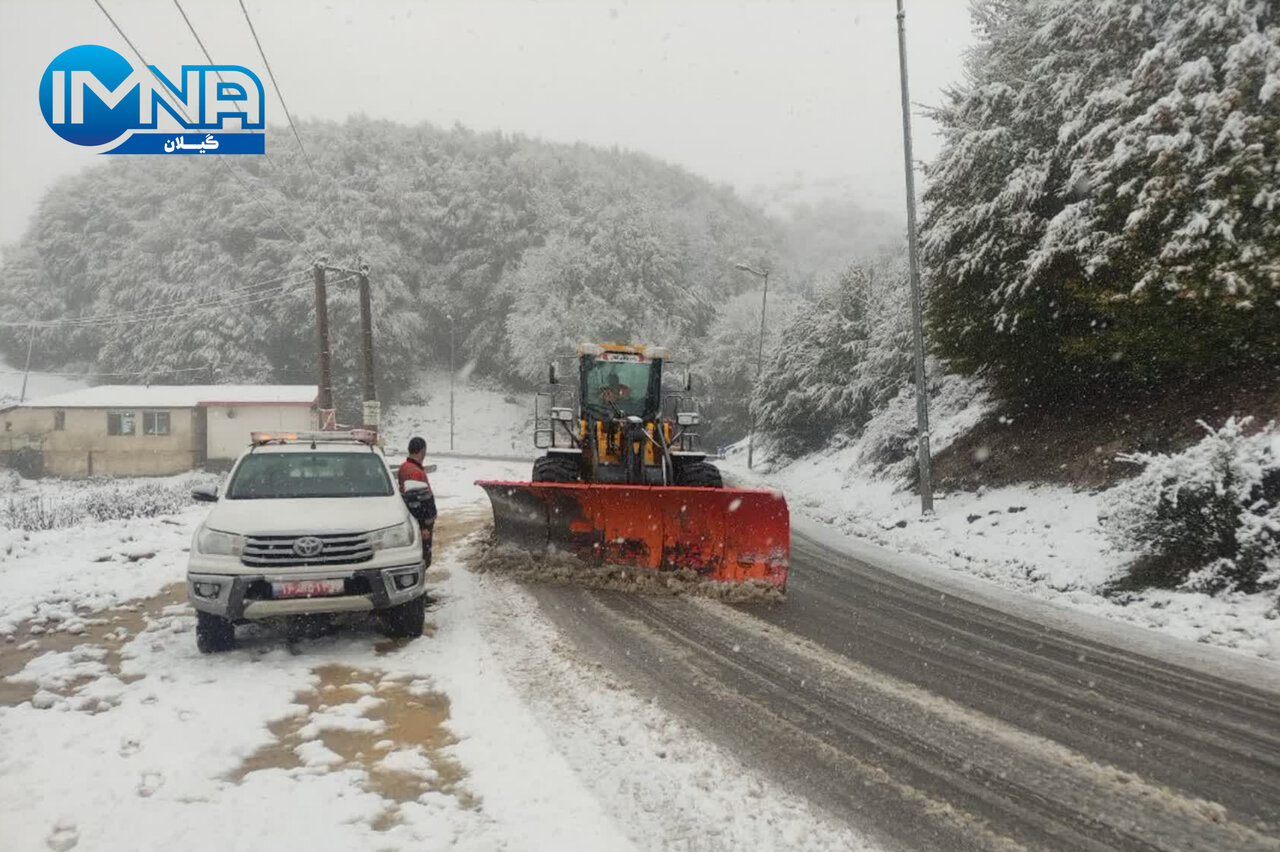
(764, 303)
(449, 317)
(923, 460)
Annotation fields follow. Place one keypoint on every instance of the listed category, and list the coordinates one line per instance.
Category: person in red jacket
(412, 467)
(422, 504)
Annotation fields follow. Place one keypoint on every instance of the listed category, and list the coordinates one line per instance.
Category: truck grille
(271, 551)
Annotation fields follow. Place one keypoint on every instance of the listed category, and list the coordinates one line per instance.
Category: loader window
(617, 388)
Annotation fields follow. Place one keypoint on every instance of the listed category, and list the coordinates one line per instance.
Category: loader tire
(701, 474)
(555, 469)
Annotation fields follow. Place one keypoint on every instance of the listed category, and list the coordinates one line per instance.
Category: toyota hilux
(309, 524)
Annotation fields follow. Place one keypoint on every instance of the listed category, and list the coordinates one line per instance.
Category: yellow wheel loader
(623, 481)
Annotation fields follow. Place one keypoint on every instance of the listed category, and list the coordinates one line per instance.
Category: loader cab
(620, 382)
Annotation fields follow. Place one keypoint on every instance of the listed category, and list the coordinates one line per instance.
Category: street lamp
(449, 317)
(764, 302)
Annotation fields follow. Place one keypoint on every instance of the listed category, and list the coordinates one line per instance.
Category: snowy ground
(1043, 541)
(486, 734)
(487, 420)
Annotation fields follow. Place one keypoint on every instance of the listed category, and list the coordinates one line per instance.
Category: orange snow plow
(622, 480)
(730, 535)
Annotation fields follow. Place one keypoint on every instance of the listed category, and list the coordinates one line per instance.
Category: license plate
(307, 588)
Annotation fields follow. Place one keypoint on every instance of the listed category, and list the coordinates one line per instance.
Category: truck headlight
(217, 543)
(401, 535)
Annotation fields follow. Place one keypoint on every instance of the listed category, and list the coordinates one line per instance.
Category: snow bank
(1044, 541)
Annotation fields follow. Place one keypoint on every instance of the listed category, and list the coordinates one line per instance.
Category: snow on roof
(177, 396)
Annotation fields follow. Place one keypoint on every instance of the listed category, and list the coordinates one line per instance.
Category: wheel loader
(622, 479)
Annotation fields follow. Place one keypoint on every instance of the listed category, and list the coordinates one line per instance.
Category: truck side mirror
(205, 494)
(553, 375)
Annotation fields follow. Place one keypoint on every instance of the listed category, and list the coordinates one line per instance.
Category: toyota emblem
(308, 546)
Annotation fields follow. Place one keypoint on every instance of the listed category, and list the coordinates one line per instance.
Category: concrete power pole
(328, 419)
(372, 413)
(923, 458)
(26, 371)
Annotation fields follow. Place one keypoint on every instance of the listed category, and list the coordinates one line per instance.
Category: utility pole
(449, 317)
(328, 419)
(26, 371)
(372, 413)
(764, 303)
(923, 458)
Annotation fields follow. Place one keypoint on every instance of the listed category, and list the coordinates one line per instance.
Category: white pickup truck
(310, 523)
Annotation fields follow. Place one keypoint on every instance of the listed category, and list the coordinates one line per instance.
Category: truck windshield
(617, 388)
(287, 475)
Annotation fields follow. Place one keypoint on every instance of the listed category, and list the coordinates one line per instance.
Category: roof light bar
(363, 436)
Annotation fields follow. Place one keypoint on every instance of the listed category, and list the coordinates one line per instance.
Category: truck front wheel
(406, 620)
(214, 634)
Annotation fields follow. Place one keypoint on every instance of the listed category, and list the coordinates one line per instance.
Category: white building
(136, 430)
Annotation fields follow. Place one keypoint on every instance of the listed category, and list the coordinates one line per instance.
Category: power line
(243, 289)
(202, 301)
(209, 58)
(108, 374)
(169, 313)
(183, 110)
(276, 85)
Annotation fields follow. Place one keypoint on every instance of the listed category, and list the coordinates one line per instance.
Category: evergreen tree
(1106, 207)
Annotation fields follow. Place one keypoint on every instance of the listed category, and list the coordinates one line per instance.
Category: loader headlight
(562, 414)
(401, 535)
(218, 543)
(688, 418)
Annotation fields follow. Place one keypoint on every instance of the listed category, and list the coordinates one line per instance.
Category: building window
(119, 422)
(59, 421)
(155, 423)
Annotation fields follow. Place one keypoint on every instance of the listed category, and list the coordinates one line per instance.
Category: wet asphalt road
(926, 721)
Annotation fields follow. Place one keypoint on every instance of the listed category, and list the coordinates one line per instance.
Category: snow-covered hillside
(1042, 540)
(487, 419)
(38, 384)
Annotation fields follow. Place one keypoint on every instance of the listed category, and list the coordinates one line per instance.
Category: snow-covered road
(880, 706)
(489, 733)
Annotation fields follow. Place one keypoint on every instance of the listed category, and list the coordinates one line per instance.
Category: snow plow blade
(729, 535)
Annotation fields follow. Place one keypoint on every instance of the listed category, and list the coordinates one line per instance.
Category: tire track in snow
(931, 722)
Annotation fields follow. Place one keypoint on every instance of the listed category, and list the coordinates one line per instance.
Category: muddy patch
(559, 568)
(391, 727)
(453, 527)
(76, 661)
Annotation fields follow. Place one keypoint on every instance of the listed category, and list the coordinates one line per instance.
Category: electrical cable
(205, 51)
(202, 301)
(276, 86)
(169, 312)
(183, 110)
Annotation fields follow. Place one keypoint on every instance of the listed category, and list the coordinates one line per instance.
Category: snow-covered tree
(728, 356)
(1206, 519)
(840, 359)
(1106, 206)
(453, 223)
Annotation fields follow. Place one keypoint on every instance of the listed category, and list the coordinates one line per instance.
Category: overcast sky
(747, 93)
